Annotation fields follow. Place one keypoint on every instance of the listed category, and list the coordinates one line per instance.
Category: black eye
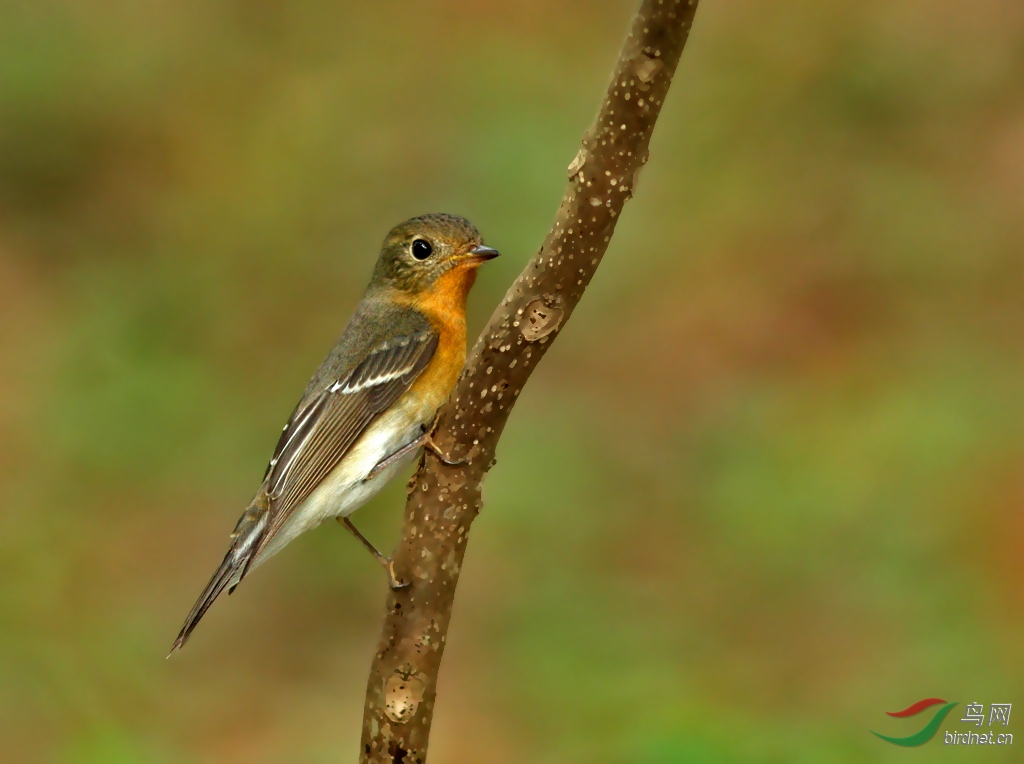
(421, 249)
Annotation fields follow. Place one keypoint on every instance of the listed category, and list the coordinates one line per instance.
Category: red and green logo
(924, 734)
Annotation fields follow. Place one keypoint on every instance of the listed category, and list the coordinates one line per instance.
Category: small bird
(371, 406)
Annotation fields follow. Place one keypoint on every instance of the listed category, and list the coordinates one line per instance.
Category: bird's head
(416, 254)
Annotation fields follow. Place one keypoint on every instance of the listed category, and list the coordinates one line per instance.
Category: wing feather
(335, 411)
(322, 431)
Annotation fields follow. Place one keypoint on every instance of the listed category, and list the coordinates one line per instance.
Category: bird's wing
(323, 428)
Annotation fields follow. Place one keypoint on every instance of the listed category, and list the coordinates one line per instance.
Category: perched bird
(371, 405)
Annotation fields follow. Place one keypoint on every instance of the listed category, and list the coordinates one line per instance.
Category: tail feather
(236, 563)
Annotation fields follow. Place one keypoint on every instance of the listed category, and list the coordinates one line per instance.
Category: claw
(393, 580)
(435, 449)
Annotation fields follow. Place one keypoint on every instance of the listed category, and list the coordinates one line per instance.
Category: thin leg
(424, 441)
(389, 566)
(390, 459)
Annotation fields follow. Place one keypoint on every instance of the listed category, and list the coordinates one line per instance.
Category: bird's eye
(421, 249)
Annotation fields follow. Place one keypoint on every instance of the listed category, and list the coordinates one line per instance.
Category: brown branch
(444, 500)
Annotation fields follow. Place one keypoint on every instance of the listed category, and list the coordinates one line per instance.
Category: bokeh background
(767, 486)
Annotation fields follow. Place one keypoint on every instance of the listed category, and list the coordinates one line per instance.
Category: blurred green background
(767, 487)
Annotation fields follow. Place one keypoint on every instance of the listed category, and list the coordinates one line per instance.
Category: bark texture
(443, 500)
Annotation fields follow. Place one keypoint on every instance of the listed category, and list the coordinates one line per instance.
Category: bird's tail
(246, 542)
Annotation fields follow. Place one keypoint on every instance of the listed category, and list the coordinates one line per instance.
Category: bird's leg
(426, 441)
(389, 566)
(390, 459)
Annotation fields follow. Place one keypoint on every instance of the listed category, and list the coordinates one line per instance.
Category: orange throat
(446, 297)
(444, 304)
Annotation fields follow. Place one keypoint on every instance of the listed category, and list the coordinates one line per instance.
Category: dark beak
(483, 253)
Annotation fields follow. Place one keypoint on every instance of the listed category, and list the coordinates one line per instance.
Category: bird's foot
(393, 581)
(428, 443)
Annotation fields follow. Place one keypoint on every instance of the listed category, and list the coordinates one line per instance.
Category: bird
(371, 406)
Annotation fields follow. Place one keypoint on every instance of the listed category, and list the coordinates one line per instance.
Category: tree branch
(443, 500)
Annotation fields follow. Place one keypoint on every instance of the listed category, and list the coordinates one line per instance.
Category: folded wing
(321, 430)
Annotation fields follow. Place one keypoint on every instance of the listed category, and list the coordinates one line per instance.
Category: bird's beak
(480, 253)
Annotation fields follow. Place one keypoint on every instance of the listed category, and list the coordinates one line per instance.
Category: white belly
(346, 488)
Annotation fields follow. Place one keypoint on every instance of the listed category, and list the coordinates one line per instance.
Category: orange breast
(444, 304)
